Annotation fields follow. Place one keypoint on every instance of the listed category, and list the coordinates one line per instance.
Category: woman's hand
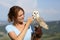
(30, 19)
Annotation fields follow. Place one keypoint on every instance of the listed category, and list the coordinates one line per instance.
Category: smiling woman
(18, 30)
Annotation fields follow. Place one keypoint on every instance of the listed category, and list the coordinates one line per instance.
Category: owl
(38, 21)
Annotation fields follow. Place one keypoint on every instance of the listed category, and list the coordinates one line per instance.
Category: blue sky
(49, 9)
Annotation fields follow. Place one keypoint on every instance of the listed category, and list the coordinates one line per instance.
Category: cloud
(49, 11)
(52, 11)
(28, 5)
(8, 3)
(5, 4)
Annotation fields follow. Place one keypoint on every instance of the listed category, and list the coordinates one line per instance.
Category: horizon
(25, 21)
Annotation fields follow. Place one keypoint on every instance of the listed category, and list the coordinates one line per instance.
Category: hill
(52, 34)
(54, 27)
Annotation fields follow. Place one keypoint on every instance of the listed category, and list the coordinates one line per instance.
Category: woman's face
(20, 16)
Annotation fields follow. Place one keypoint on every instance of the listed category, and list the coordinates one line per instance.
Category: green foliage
(52, 34)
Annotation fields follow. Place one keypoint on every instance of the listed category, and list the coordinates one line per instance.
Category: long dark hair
(13, 12)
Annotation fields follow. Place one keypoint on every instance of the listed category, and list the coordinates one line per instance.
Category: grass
(4, 36)
(51, 36)
(44, 37)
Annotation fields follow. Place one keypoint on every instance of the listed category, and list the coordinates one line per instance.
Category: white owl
(38, 20)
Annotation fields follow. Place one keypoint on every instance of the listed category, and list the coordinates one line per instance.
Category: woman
(18, 30)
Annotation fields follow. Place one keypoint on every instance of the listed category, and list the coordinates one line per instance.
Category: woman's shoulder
(9, 26)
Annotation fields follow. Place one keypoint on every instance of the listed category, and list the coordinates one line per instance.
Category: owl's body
(39, 20)
(37, 23)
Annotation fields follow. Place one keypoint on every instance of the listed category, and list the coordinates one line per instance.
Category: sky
(49, 9)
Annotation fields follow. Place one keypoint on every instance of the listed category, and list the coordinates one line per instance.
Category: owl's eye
(34, 12)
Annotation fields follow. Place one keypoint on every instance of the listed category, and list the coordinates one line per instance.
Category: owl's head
(35, 14)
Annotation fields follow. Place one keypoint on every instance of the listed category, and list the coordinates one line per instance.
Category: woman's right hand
(30, 19)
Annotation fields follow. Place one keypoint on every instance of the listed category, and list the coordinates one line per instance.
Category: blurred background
(49, 11)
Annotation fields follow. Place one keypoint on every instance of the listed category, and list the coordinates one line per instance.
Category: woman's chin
(20, 22)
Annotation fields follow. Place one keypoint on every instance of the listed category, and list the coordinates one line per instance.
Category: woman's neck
(16, 22)
(19, 24)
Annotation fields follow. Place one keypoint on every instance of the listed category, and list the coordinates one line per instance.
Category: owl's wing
(42, 23)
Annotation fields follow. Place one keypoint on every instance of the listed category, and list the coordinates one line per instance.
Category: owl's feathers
(38, 20)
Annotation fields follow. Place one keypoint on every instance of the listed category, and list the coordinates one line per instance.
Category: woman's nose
(22, 16)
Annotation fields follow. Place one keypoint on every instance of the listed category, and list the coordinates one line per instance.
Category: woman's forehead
(20, 12)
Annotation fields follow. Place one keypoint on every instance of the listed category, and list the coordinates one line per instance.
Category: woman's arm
(22, 34)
